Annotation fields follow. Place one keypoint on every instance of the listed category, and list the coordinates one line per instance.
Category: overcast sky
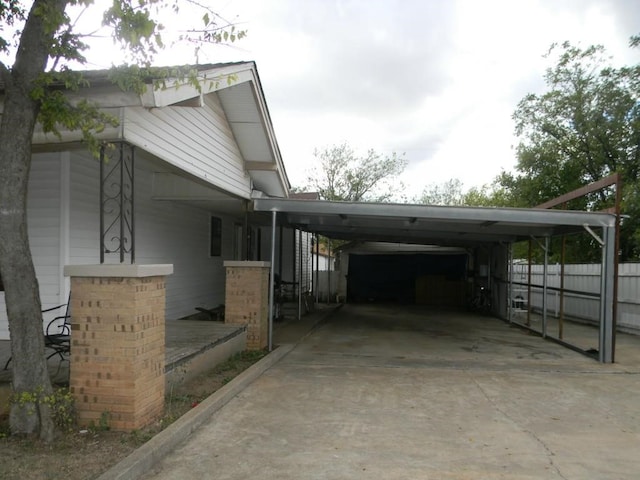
(437, 80)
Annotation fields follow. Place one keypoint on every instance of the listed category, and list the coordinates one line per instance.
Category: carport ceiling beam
(595, 236)
(513, 216)
(543, 246)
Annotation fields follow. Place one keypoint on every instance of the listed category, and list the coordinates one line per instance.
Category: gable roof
(241, 95)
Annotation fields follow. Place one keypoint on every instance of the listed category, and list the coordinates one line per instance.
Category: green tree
(583, 128)
(493, 195)
(44, 47)
(447, 193)
(340, 174)
(452, 193)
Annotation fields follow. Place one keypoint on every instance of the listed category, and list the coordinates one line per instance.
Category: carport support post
(272, 286)
(299, 274)
(529, 259)
(544, 287)
(329, 272)
(607, 281)
(510, 285)
(316, 284)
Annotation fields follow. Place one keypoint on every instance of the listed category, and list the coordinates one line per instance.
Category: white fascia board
(177, 91)
(270, 133)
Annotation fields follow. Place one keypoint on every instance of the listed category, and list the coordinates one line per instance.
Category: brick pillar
(247, 300)
(117, 343)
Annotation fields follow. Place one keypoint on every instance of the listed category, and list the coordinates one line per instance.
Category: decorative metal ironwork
(116, 201)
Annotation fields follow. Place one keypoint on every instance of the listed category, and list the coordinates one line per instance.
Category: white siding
(43, 204)
(197, 140)
(166, 232)
(84, 220)
(329, 282)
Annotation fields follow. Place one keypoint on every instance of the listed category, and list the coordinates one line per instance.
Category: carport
(489, 232)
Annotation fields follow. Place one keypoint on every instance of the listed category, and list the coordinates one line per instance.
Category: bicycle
(481, 302)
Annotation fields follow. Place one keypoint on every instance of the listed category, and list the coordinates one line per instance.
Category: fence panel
(323, 286)
(584, 282)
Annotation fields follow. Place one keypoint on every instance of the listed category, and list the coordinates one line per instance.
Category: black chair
(57, 335)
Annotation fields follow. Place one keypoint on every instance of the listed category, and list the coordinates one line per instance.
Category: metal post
(329, 272)
(489, 283)
(528, 323)
(510, 298)
(293, 263)
(102, 176)
(299, 274)
(607, 300)
(563, 252)
(316, 284)
(272, 286)
(544, 287)
(309, 275)
(616, 266)
(133, 212)
(280, 261)
(122, 200)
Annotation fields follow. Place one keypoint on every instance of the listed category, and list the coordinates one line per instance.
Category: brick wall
(247, 300)
(117, 350)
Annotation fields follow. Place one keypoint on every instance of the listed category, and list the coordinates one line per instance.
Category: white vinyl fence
(581, 302)
(327, 284)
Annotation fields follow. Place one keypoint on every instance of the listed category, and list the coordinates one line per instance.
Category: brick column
(117, 343)
(247, 300)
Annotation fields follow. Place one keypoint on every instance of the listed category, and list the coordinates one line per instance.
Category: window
(1, 285)
(215, 249)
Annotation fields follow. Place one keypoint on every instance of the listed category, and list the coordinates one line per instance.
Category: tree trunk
(22, 296)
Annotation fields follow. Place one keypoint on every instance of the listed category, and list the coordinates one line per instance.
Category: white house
(178, 174)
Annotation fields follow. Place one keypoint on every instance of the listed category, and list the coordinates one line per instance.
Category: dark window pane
(216, 237)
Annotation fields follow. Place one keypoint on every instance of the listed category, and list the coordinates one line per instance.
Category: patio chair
(57, 335)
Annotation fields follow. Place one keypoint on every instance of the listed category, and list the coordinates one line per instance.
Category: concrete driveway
(387, 393)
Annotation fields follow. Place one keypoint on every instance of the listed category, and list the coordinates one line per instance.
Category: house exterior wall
(64, 229)
(196, 140)
(44, 202)
(166, 232)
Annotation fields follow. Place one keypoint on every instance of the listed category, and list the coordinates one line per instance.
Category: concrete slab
(184, 340)
(382, 392)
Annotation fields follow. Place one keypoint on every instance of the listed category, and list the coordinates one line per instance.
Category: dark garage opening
(424, 279)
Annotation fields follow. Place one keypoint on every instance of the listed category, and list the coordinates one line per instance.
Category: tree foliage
(42, 43)
(340, 174)
(583, 128)
(448, 193)
(452, 193)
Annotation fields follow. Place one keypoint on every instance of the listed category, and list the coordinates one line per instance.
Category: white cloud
(436, 79)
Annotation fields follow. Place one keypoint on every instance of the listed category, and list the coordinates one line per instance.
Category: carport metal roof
(427, 224)
(451, 226)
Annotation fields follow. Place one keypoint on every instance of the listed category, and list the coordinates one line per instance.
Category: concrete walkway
(381, 393)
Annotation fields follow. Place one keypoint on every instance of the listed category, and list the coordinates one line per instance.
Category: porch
(190, 346)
